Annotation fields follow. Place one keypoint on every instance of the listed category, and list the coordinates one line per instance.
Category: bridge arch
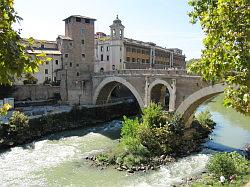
(187, 108)
(105, 88)
(169, 89)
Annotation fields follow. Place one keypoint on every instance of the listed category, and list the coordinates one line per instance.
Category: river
(58, 160)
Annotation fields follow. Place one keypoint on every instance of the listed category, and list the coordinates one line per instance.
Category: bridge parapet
(143, 72)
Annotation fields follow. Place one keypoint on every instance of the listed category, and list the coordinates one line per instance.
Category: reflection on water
(58, 160)
(232, 130)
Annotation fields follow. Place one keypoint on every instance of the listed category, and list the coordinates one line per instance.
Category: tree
(14, 61)
(226, 54)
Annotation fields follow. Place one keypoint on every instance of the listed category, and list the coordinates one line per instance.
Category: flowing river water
(58, 160)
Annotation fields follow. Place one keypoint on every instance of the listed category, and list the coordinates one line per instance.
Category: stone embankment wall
(35, 92)
(76, 118)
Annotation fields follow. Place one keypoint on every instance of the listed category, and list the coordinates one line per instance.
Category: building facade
(115, 52)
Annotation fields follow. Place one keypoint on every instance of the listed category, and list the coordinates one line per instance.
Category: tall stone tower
(116, 44)
(77, 47)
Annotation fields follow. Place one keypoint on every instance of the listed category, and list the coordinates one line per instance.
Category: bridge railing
(143, 72)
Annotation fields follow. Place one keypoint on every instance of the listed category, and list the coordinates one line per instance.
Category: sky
(164, 22)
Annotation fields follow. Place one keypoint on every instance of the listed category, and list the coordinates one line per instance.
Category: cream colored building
(115, 52)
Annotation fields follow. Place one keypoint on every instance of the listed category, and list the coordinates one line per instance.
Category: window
(82, 41)
(66, 55)
(78, 19)
(77, 74)
(46, 71)
(77, 65)
(101, 57)
(143, 52)
(70, 64)
(102, 70)
(138, 51)
(47, 62)
(128, 49)
(113, 67)
(54, 79)
(138, 60)
(42, 46)
(82, 31)
(147, 60)
(101, 48)
(56, 62)
(87, 20)
(120, 48)
(107, 48)
(120, 60)
(107, 57)
(133, 59)
(133, 50)
(128, 59)
(83, 55)
(70, 44)
(143, 61)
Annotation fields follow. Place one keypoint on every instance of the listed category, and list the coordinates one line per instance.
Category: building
(72, 60)
(115, 52)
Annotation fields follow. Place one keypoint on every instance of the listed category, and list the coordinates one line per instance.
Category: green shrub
(18, 121)
(205, 119)
(102, 157)
(227, 164)
(152, 115)
(129, 127)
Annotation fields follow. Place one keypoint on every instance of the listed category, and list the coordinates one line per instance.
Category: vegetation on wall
(225, 58)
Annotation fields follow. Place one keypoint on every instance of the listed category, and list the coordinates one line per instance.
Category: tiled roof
(64, 37)
(79, 16)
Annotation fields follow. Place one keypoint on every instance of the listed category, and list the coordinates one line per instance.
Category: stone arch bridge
(185, 92)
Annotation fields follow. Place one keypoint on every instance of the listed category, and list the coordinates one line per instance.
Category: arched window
(113, 67)
(102, 70)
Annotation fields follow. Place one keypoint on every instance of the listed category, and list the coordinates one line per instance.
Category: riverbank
(78, 117)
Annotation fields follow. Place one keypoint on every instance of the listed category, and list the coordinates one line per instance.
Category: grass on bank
(230, 165)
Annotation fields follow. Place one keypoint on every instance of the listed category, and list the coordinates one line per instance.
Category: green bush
(227, 164)
(205, 119)
(129, 127)
(102, 157)
(152, 115)
(18, 121)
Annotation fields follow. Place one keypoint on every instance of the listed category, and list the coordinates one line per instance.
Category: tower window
(101, 57)
(70, 64)
(46, 71)
(56, 62)
(107, 48)
(82, 41)
(77, 65)
(120, 48)
(133, 59)
(101, 48)
(83, 55)
(113, 67)
(82, 31)
(120, 60)
(107, 57)
(78, 19)
(66, 55)
(102, 70)
(47, 62)
(77, 74)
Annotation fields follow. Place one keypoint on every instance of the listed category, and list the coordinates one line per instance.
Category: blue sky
(164, 22)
